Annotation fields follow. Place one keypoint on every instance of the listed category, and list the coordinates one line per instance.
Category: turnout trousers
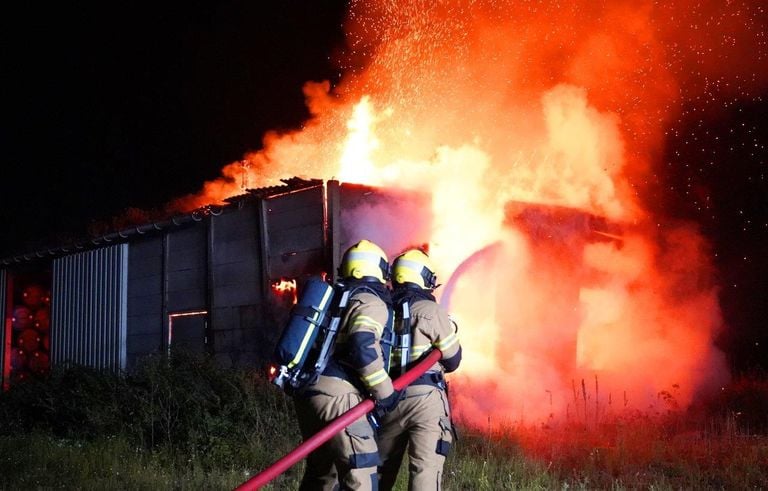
(421, 423)
(348, 460)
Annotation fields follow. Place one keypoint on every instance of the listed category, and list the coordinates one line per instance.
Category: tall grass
(183, 414)
(635, 452)
(184, 423)
(39, 460)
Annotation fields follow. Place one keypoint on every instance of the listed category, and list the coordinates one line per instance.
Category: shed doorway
(188, 331)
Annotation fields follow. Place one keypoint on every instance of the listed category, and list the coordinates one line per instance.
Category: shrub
(179, 404)
(75, 402)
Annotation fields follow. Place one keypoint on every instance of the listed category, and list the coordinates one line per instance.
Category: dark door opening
(188, 331)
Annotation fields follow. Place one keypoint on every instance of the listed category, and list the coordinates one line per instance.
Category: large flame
(489, 105)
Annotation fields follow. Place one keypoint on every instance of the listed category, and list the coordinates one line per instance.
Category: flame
(271, 372)
(356, 158)
(560, 110)
(285, 287)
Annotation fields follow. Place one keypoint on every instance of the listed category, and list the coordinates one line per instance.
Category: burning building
(222, 279)
(518, 141)
(219, 280)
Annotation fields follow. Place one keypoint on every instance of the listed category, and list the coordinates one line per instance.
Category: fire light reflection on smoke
(528, 123)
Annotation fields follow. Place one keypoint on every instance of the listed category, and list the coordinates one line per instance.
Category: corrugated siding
(89, 308)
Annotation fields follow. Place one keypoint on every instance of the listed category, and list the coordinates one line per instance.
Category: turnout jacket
(358, 347)
(431, 327)
(421, 423)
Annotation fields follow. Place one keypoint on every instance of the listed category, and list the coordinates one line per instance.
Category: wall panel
(295, 237)
(145, 298)
(89, 308)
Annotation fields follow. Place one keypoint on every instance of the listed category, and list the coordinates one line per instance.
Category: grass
(39, 461)
(188, 425)
(623, 454)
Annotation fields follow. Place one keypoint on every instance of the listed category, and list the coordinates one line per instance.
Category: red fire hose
(335, 426)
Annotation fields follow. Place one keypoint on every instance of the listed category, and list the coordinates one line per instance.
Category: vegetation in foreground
(186, 424)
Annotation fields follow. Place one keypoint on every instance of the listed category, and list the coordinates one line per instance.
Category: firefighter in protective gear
(421, 423)
(355, 370)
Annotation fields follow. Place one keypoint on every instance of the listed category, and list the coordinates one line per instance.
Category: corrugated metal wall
(89, 308)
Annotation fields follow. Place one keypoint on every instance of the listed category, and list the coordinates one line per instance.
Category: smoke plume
(536, 128)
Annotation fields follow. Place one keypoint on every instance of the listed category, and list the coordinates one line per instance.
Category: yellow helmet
(414, 266)
(365, 260)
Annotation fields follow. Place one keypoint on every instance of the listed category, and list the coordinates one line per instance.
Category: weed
(184, 423)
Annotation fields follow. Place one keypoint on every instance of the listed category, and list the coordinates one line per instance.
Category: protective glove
(388, 404)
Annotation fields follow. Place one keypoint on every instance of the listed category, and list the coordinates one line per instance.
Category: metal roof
(290, 185)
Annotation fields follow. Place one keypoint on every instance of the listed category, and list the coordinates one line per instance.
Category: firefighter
(422, 421)
(355, 370)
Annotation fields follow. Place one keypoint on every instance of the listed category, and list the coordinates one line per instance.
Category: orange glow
(271, 372)
(285, 287)
(527, 123)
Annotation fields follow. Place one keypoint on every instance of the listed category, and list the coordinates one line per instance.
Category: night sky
(111, 105)
(132, 104)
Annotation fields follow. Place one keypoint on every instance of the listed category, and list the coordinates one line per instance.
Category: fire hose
(335, 426)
